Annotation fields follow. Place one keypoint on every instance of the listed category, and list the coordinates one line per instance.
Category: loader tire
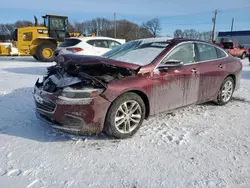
(45, 52)
(35, 57)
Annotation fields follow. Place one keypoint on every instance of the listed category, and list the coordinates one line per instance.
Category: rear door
(212, 69)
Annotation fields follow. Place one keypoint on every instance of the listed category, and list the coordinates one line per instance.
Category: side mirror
(173, 63)
(170, 64)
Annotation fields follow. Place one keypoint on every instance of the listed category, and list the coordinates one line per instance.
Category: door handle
(194, 70)
(221, 66)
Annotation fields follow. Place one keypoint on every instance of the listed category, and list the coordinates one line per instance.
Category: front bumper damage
(78, 116)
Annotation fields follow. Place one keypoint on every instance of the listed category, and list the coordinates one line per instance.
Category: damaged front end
(70, 96)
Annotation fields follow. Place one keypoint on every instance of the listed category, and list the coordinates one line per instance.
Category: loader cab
(57, 26)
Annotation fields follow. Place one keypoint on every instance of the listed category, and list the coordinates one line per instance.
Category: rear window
(206, 52)
(220, 53)
(69, 42)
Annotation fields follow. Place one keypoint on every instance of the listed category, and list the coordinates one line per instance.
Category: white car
(96, 46)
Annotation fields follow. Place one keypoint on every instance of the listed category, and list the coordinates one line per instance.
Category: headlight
(41, 31)
(81, 93)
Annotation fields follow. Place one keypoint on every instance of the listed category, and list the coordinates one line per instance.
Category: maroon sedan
(116, 92)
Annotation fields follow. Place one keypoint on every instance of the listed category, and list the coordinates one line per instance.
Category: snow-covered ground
(196, 147)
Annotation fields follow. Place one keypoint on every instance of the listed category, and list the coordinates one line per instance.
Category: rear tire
(226, 91)
(125, 116)
(243, 56)
(45, 52)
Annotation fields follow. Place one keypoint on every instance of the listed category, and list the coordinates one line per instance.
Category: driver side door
(175, 87)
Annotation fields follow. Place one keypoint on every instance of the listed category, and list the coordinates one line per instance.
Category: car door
(175, 87)
(212, 70)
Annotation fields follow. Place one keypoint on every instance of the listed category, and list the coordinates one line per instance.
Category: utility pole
(232, 25)
(214, 23)
(115, 25)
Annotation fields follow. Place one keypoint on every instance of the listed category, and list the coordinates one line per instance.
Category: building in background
(241, 37)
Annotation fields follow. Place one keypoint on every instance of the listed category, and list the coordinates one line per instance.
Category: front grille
(46, 106)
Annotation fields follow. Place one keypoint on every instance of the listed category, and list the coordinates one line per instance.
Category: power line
(232, 9)
(200, 23)
(191, 14)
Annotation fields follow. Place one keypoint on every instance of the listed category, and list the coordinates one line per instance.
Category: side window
(91, 42)
(27, 36)
(113, 44)
(184, 52)
(220, 53)
(206, 52)
(101, 43)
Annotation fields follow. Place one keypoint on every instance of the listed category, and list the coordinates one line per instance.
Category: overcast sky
(183, 14)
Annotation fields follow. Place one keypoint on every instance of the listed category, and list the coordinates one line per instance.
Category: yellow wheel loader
(40, 41)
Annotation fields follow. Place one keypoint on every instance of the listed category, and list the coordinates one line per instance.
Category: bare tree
(71, 28)
(178, 33)
(79, 27)
(191, 34)
(101, 26)
(206, 35)
(23, 23)
(154, 26)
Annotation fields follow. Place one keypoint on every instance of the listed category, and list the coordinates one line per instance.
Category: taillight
(74, 50)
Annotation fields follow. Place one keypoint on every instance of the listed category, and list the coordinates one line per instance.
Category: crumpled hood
(94, 60)
(63, 80)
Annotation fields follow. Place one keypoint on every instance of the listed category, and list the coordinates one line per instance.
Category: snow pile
(199, 146)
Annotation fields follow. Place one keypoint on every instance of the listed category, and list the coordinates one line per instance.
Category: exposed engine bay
(80, 75)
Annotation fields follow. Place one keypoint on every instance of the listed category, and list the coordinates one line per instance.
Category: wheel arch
(41, 41)
(141, 94)
(145, 100)
(233, 77)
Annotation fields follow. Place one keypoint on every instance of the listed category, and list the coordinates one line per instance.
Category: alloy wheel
(128, 116)
(227, 91)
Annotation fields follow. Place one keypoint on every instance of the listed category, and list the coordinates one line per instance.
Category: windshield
(137, 52)
(57, 23)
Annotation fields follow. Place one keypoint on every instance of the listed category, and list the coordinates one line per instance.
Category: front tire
(45, 52)
(125, 116)
(226, 91)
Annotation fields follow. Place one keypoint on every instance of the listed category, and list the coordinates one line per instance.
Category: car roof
(147, 40)
(91, 38)
(169, 39)
(157, 39)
